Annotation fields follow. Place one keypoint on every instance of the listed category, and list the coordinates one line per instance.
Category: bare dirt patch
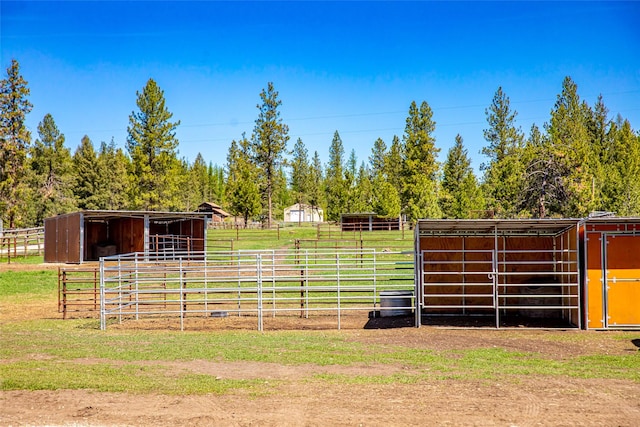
(530, 402)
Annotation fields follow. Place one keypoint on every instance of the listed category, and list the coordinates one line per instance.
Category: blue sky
(353, 67)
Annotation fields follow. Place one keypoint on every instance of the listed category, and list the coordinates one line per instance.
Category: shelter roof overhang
(612, 220)
(106, 215)
(495, 227)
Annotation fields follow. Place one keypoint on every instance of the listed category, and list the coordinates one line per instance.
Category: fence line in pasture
(21, 242)
(254, 284)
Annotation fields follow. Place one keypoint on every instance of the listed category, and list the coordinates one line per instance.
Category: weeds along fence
(254, 284)
(21, 242)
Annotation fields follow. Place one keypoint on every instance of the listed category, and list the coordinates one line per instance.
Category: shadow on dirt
(390, 322)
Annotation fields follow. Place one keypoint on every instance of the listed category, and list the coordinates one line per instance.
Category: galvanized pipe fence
(499, 283)
(256, 284)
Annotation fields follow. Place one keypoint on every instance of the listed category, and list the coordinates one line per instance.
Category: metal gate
(622, 280)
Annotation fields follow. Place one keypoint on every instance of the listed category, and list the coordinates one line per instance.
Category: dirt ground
(296, 397)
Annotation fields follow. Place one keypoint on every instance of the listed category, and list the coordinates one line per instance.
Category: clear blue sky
(349, 66)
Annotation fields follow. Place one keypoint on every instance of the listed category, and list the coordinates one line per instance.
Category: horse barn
(498, 272)
(88, 235)
(612, 278)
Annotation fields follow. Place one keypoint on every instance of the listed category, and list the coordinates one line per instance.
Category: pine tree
(300, 174)
(420, 169)
(243, 193)
(15, 142)
(350, 182)
(504, 172)
(599, 128)
(393, 165)
(336, 190)
(363, 190)
(269, 145)
(87, 175)
(115, 180)
(378, 157)
(198, 182)
(623, 186)
(461, 195)
(316, 182)
(385, 200)
(570, 140)
(216, 184)
(52, 166)
(152, 146)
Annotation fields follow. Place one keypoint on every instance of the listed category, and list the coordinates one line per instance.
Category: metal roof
(152, 215)
(538, 227)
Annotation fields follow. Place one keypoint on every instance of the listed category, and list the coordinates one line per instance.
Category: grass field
(42, 353)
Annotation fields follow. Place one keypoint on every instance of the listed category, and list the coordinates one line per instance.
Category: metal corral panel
(50, 239)
(503, 268)
(74, 224)
(612, 279)
(62, 238)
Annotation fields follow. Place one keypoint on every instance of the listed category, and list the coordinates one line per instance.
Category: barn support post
(579, 262)
(146, 237)
(136, 278)
(375, 281)
(103, 320)
(259, 290)
(496, 277)
(273, 282)
(182, 296)
(338, 285)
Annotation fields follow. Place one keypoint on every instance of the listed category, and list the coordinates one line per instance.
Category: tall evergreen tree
(599, 129)
(52, 166)
(623, 185)
(461, 193)
(243, 193)
(115, 181)
(300, 174)
(198, 182)
(504, 172)
(269, 144)
(88, 183)
(569, 138)
(316, 182)
(420, 169)
(216, 184)
(363, 190)
(152, 146)
(378, 157)
(15, 142)
(350, 180)
(336, 189)
(393, 164)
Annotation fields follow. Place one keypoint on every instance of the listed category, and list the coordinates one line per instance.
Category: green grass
(35, 284)
(21, 259)
(55, 350)
(51, 354)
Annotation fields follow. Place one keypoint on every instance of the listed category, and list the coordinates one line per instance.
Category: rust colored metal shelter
(612, 273)
(523, 271)
(87, 235)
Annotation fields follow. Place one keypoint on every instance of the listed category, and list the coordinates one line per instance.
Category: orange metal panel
(623, 280)
(595, 301)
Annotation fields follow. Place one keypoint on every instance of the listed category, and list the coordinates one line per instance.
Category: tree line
(578, 162)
